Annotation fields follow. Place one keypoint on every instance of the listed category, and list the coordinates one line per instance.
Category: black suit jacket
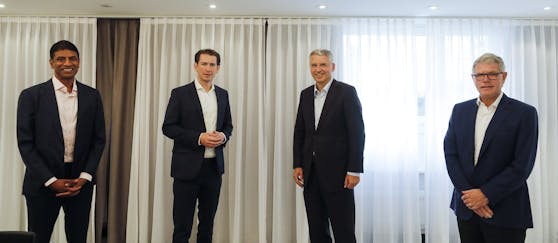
(336, 146)
(184, 123)
(40, 139)
(506, 159)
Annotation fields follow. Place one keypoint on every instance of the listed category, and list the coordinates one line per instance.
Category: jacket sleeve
(26, 137)
(227, 120)
(299, 136)
(451, 152)
(355, 130)
(98, 137)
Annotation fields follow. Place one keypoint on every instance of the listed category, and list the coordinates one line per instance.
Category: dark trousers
(475, 230)
(204, 189)
(324, 207)
(43, 210)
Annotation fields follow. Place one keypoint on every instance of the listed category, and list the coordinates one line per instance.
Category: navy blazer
(184, 123)
(505, 161)
(40, 139)
(336, 146)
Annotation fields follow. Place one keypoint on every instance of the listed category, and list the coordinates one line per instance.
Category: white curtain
(25, 43)
(166, 59)
(534, 79)
(371, 55)
(289, 42)
(379, 59)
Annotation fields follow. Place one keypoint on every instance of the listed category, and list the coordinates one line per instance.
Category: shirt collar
(200, 87)
(58, 85)
(325, 89)
(495, 103)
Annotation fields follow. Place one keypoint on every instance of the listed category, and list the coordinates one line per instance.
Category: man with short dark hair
(490, 149)
(61, 136)
(198, 119)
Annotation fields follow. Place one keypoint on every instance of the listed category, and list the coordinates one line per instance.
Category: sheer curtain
(165, 61)
(289, 42)
(533, 65)
(371, 55)
(25, 43)
(529, 51)
(379, 59)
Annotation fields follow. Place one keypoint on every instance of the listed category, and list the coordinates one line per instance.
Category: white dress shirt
(319, 101)
(67, 103)
(484, 116)
(208, 101)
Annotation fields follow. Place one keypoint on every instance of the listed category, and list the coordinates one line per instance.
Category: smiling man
(61, 136)
(328, 151)
(198, 119)
(490, 149)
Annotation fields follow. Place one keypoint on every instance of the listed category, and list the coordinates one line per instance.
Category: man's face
(65, 64)
(206, 67)
(321, 68)
(490, 81)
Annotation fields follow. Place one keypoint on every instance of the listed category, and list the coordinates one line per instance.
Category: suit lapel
(220, 106)
(469, 133)
(81, 114)
(501, 113)
(52, 107)
(308, 101)
(196, 100)
(331, 95)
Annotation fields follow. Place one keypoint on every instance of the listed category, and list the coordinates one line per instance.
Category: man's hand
(298, 176)
(61, 185)
(474, 199)
(351, 181)
(73, 187)
(211, 139)
(484, 212)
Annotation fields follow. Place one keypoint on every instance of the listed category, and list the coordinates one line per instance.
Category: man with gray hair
(328, 151)
(490, 149)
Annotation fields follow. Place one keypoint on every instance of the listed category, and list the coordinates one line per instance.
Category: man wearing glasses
(490, 149)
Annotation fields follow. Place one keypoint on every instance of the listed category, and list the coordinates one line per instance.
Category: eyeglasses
(482, 76)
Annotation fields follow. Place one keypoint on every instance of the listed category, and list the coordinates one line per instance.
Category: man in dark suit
(328, 151)
(61, 136)
(198, 119)
(490, 149)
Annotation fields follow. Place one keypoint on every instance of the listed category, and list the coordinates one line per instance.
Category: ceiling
(306, 8)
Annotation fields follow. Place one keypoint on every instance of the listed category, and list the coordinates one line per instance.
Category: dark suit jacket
(184, 123)
(337, 145)
(40, 139)
(505, 161)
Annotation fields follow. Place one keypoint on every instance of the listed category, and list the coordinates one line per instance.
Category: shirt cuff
(224, 138)
(199, 139)
(354, 174)
(86, 176)
(50, 181)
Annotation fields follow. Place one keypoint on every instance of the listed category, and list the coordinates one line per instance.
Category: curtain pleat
(117, 52)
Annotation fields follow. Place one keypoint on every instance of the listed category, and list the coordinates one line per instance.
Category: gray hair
(322, 52)
(490, 58)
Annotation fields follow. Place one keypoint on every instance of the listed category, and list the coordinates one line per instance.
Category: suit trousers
(205, 190)
(475, 230)
(324, 207)
(43, 210)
